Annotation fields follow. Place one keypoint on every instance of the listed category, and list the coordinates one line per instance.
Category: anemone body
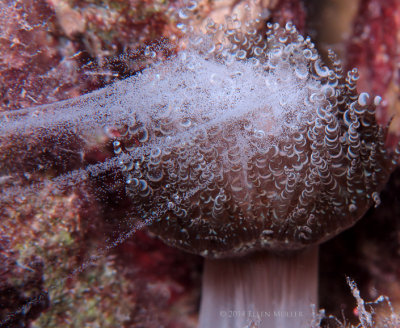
(251, 143)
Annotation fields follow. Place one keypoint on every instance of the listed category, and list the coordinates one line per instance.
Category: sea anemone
(250, 152)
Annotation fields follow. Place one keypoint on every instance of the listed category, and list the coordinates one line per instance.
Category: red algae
(374, 49)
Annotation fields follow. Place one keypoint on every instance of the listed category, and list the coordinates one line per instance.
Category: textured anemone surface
(250, 142)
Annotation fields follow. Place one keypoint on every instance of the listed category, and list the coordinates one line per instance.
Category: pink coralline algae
(33, 69)
(54, 50)
(374, 49)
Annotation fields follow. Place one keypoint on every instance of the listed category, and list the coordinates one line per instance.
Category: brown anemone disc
(230, 187)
